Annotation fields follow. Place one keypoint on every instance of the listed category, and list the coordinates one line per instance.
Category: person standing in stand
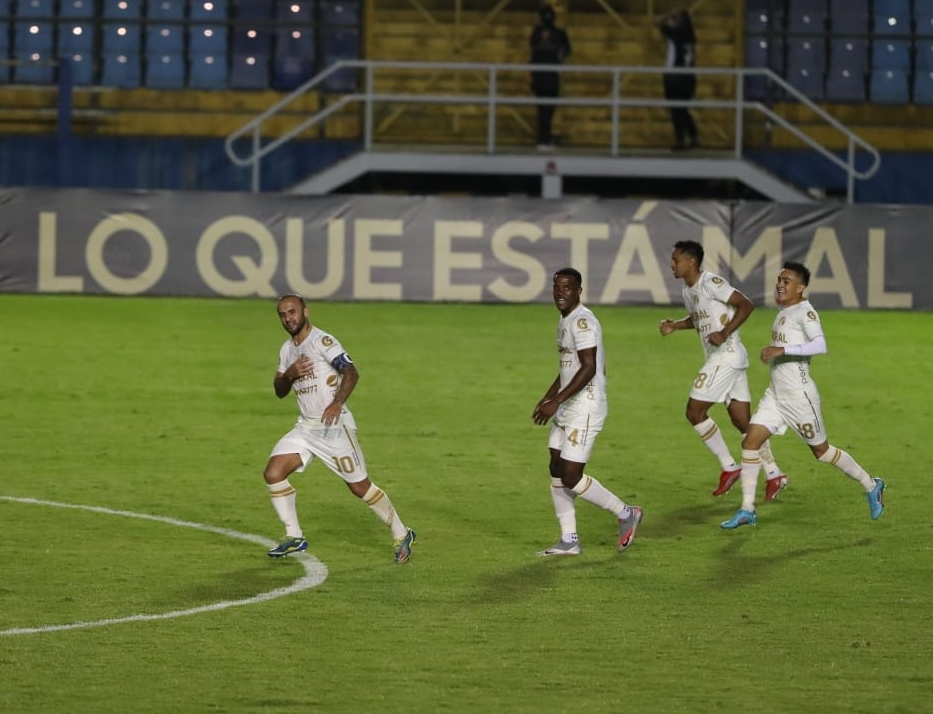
(549, 45)
(677, 28)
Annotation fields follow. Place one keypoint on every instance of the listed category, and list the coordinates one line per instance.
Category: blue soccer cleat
(289, 545)
(876, 499)
(741, 518)
(403, 546)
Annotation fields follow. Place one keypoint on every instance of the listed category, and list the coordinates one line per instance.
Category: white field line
(315, 571)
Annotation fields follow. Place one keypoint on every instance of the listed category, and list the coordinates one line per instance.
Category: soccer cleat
(289, 545)
(876, 499)
(562, 548)
(627, 527)
(741, 518)
(403, 546)
(726, 479)
(774, 485)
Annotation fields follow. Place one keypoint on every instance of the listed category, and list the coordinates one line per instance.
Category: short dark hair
(690, 247)
(800, 269)
(570, 272)
(291, 295)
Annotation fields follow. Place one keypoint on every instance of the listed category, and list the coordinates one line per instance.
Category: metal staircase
(490, 96)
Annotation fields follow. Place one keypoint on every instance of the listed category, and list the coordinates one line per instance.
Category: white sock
(751, 464)
(772, 470)
(589, 489)
(283, 501)
(845, 463)
(379, 502)
(713, 439)
(564, 509)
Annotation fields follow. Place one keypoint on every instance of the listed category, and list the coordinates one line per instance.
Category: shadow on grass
(516, 584)
(736, 569)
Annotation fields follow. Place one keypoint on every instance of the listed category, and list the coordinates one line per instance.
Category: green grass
(165, 407)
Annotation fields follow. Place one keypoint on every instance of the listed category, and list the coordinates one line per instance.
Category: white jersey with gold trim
(790, 374)
(581, 330)
(707, 301)
(316, 391)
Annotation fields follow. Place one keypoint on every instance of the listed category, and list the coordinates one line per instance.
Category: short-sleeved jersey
(316, 391)
(581, 330)
(790, 374)
(707, 301)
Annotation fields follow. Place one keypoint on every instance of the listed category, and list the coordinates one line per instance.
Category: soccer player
(792, 399)
(315, 365)
(577, 402)
(716, 310)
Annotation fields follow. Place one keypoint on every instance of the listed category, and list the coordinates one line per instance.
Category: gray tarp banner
(448, 249)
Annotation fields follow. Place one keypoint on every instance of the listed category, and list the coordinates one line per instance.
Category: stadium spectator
(577, 402)
(792, 398)
(677, 28)
(549, 45)
(716, 311)
(323, 376)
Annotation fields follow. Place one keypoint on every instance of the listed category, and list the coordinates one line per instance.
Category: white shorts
(803, 415)
(336, 446)
(720, 384)
(574, 432)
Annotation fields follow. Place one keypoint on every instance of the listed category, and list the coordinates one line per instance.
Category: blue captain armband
(341, 361)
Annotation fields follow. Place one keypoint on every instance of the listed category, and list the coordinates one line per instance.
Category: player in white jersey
(792, 398)
(314, 365)
(716, 311)
(577, 406)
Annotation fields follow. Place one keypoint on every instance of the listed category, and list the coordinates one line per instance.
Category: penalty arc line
(315, 571)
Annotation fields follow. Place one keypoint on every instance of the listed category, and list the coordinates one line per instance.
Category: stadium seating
(33, 43)
(76, 43)
(806, 17)
(122, 10)
(35, 9)
(889, 86)
(891, 17)
(208, 10)
(165, 71)
(121, 70)
(848, 53)
(76, 8)
(923, 20)
(297, 11)
(849, 17)
(923, 57)
(165, 9)
(120, 37)
(207, 40)
(208, 72)
(341, 45)
(845, 85)
(293, 61)
(808, 81)
(164, 39)
(249, 71)
(923, 87)
(806, 55)
(889, 53)
(339, 12)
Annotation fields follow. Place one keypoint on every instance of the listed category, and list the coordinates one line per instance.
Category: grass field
(164, 408)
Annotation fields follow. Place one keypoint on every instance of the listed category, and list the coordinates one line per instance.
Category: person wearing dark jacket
(549, 45)
(677, 29)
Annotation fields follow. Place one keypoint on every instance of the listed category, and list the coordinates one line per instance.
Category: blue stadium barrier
(165, 9)
(890, 54)
(76, 8)
(165, 39)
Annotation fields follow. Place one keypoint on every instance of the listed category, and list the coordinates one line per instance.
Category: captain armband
(341, 361)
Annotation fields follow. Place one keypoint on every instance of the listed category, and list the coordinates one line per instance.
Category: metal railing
(493, 99)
